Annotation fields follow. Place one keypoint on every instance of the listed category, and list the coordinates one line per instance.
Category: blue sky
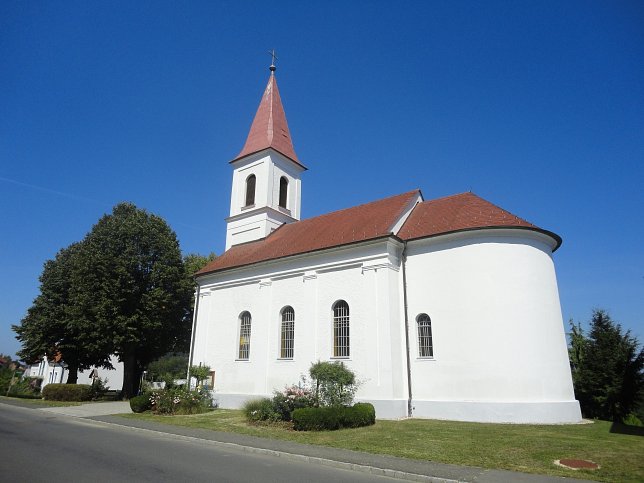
(535, 106)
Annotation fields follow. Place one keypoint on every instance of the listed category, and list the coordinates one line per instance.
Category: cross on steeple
(273, 59)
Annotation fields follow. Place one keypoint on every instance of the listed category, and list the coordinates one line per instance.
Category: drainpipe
(192, 334)
(404, 276)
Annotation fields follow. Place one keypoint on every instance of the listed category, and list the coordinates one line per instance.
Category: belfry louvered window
(244, 336)
(250, 190)
(341, 329)
(287, 336)
(425, 344)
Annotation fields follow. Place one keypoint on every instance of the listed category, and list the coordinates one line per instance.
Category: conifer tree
(607, 369)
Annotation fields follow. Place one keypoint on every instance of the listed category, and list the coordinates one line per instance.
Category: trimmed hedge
(316, 419)
(67, 392)
(141, 403)
(334, 417)
(361, 414)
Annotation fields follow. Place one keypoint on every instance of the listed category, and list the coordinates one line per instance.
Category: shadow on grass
(621, 428)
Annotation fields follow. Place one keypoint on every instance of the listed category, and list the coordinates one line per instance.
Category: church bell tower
(266, 190)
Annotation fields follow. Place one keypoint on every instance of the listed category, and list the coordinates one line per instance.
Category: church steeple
(266, 191)
(269, 128)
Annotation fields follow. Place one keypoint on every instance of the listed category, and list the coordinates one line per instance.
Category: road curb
(373, 470)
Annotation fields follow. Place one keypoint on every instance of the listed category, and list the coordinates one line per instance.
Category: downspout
(404, 276)
(192, 334)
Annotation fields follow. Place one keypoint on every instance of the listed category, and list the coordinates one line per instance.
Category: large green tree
(195, 262)
(168, 367)
(607, 368)
(55, 323)
(135, 287)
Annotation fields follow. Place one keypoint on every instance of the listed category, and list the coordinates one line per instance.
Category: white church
(445, 308)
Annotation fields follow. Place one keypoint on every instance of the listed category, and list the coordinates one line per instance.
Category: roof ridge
(358, 206)
(452, 196)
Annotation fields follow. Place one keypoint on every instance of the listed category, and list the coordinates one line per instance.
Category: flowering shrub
(178, 400)
(290, 399)
(282, 404)
(326, 405)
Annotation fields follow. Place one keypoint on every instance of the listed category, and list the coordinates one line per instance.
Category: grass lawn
(531, 449)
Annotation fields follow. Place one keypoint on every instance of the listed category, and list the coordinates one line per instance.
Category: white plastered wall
(114, 376)
(499, 344)
(364, 276)
(257, 221)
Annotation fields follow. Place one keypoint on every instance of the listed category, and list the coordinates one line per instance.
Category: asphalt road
(43, 447)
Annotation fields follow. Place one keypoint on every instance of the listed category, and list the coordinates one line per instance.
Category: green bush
(633, 420)
(99, 388)
(5, 379)
(333, 417)
(360, 414)
(141, 403)
(67, 392)
(28, 388)
(260, 410)
(334, 383)
(200, 373)
(317, 419)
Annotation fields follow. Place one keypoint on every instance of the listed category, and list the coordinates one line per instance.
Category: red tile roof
(269, 128)
(360, 223)
(462, 212)
(465, 211)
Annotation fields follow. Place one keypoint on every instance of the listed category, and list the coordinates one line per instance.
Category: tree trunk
(131, 376)
(72, 376)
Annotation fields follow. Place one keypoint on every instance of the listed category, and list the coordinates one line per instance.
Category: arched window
(341, 329)
(244, 336)
(287, 333)
(250, 190)
(283, 191)
(425, 345)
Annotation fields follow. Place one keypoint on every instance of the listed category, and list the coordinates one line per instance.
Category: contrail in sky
(81, 198)
(50, 191)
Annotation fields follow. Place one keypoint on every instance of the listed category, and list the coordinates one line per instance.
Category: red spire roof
(269, 128)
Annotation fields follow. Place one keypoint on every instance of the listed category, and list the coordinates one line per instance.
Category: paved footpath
(406, 469)
(89, 410)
